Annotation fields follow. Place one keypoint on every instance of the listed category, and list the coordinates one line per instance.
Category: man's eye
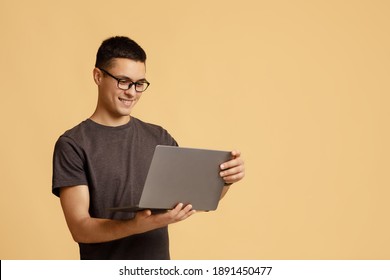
(124, 82)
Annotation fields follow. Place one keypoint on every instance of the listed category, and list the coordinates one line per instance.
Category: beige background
(300, 87)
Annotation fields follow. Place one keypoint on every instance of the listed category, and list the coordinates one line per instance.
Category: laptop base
(137, 209)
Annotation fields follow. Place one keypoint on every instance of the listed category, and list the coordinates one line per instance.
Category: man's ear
(97, 75)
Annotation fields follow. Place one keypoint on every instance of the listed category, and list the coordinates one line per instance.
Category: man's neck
(109, 121)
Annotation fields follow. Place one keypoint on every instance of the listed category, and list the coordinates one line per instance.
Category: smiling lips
(127, 102)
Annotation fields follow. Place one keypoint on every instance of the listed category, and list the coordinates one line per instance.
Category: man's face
(115, 103)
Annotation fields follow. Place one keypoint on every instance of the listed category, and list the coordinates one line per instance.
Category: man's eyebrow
(122, 77)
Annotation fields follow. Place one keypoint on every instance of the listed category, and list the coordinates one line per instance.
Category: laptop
(186, 175)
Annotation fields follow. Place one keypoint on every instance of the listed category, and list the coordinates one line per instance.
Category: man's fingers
(179, 213)
(183, 213)
(232, 163)
(232, 171)
(236, 153)
(234, 178)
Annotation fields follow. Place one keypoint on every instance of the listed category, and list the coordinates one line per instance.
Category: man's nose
(131, 91)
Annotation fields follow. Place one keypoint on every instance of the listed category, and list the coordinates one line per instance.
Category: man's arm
(85, 229)
(232, 171)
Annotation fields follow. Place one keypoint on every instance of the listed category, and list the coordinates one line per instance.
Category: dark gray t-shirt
(113, 162)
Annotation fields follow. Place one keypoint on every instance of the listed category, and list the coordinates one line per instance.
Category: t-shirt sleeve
(68, 165)
(170, 140)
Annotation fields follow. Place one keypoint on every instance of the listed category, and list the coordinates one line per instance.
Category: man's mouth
(127, 102)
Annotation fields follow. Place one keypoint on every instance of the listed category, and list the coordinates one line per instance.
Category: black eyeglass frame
(122, 80)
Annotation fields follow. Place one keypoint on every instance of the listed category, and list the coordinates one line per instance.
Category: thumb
(144, 213)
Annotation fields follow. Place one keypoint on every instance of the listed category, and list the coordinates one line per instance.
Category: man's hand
(145, 221)
(233, 170)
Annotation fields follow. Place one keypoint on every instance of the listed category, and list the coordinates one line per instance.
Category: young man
(103, 162)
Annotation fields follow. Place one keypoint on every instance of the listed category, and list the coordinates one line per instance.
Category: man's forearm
(94, 230)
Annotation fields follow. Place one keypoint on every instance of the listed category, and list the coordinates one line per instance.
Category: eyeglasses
(125, 84)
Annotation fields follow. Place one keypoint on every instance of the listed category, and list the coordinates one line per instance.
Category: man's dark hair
(118, 47)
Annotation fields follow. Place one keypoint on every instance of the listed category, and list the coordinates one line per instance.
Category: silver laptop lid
(186, 175)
